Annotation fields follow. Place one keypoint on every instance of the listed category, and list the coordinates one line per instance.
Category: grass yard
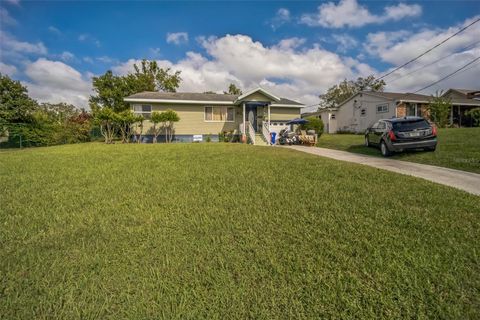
(458, 148)
(220, 231)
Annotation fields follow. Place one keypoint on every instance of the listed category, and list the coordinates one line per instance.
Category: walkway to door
(466, 181)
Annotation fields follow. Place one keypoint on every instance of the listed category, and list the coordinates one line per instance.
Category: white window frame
(142, 113)
(385, 108)
(226, 107)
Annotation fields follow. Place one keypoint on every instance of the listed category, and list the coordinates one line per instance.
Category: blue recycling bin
(272, 136)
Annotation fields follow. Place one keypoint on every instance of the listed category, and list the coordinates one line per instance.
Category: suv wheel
(384, 149)
(367, 143)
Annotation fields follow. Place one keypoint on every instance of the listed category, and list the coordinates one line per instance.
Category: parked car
(399, 134)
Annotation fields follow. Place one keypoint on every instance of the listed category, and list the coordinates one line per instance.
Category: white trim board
(224, 103)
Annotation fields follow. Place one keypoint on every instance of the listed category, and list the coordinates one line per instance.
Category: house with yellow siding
(251, 116)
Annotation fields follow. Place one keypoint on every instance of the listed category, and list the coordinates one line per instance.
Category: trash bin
(272, 136)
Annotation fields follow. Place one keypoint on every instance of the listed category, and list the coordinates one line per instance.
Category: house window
(414, 110)
(144, 110)
(382, 108)
(332, 116)
(220, 114)
(363, 112)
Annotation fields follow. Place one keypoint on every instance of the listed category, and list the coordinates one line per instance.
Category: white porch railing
(266, 132)
(250, 131)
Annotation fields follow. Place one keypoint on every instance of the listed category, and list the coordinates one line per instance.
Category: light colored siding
(256, 96)
(283, 113)
(192, 120)
(349, 116)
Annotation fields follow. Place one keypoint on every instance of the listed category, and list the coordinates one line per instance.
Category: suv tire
(384, 149)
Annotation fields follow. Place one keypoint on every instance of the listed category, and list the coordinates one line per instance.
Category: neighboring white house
(363, 109)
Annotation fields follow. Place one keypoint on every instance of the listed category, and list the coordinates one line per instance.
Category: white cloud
(14, 2)
(84, 37)
(348, 13)
(281, 17)
(67, 56)
(401, 11)
(6, 18)
(154, 52)
(290, 43)
(7, 69)
(88, 59)
(11, 45)
(345, 42)
(177, 37)
(55, 81)
(54, 30)
(283, 68)
(106, 59)
(399, 47)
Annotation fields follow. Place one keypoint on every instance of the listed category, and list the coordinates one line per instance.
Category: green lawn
(221, 231)
(458, 148)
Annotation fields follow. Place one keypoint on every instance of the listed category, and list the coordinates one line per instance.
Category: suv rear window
(411, 125)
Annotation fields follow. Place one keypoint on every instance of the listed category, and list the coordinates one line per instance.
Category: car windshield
(410, 125)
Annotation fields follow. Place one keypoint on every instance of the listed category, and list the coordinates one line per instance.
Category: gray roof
(194, 96)
(400, 96)
(466, 102)
(465, 91)
(183, 96)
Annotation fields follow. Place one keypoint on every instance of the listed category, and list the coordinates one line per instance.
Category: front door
(251, 115)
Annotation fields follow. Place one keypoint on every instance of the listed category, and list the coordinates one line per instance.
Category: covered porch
(256, 116)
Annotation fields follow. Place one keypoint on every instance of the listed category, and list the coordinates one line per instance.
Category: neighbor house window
(363, 112)
(382, 108)
(219, 114)
(332, 116)
(414, 110)
(144, 110)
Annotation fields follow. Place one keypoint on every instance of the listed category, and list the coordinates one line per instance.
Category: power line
(431, 63)
(435, 46)
(449, 75)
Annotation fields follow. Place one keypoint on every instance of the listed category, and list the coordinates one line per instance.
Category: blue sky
(293, 48)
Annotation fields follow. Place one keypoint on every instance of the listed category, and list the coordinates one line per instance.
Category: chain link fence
(25, 135)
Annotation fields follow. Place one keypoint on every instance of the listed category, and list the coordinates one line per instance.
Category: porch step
(260, 140)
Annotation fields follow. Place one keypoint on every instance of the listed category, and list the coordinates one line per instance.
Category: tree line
(25, 121)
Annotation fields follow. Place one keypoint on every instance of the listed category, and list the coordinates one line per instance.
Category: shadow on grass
(374, 151)
(359, 148)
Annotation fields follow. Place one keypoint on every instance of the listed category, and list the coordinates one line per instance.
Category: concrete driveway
(467, 181)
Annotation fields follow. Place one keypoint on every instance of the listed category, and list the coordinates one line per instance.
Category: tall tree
(233, 89)
(148, 76)
(110, 91)
(15, 104)
(347, 88)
